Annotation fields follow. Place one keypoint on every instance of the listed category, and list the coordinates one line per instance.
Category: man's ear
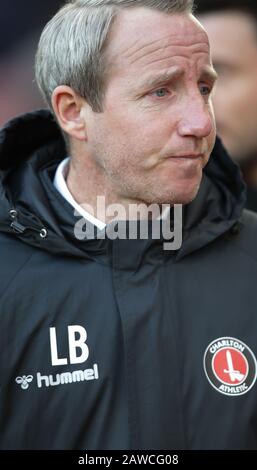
(68, 107)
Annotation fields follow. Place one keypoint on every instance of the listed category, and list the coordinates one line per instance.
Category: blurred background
(232, 29)
(21, 22)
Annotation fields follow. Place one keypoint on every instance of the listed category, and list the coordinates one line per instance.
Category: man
(116, 343)
(232, 29)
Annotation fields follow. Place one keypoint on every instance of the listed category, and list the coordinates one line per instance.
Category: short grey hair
(71, 49)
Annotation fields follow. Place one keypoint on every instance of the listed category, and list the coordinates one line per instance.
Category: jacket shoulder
(247, 238)
(13, 255)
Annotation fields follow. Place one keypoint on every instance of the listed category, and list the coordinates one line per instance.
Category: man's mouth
(191, 156)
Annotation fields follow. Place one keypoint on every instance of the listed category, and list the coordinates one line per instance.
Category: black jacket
(251, 201)
(149, 349)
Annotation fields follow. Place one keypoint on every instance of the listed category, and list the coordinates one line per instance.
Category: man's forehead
(135, 35)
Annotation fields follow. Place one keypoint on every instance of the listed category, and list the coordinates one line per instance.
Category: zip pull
(15, 225)
(19, 228)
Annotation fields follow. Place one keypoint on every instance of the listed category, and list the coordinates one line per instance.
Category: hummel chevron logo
(24, 381)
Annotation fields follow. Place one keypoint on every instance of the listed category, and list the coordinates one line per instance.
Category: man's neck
(90, 188)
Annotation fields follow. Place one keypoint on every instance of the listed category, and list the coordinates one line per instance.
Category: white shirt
(61, 186)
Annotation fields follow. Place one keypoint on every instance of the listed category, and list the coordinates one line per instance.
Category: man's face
(233, 40)
(157, 129)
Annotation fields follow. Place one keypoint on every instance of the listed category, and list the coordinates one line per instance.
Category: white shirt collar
(61, 186)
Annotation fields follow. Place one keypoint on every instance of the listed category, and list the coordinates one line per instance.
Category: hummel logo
(24, 381)
(78, 354)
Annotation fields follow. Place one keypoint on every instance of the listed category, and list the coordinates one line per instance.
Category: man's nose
(197, 119)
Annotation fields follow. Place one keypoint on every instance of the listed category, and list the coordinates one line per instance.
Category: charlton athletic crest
(230, 366)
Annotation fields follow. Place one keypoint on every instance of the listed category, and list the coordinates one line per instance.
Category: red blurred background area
(21, 22)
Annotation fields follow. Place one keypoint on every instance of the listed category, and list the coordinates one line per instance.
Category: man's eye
(205, 90)
(160, 93)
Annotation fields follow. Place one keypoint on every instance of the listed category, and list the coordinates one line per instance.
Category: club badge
(230, 366)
